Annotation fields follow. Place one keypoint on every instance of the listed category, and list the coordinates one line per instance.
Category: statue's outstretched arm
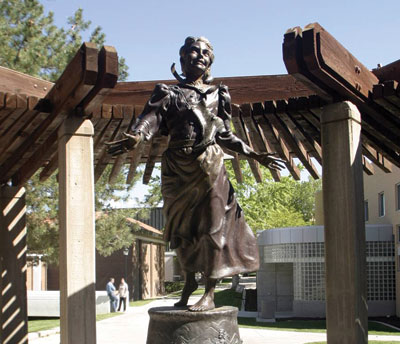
(230, 141)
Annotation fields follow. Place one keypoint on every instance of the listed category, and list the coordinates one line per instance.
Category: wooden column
(13, 298)
(77, 235)
(343, 196)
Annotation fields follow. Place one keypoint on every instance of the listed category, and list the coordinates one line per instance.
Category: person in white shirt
(123, 294)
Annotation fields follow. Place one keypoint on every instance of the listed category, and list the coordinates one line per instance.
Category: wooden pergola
(286, 114)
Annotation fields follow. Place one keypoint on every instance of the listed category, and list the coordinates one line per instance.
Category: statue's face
(197, 59)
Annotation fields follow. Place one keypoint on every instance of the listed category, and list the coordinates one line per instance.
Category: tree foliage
(271, 204)
(31, 43)
(112, 231)
(153, 198)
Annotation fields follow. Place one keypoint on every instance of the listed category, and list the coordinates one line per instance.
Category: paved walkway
(131, 328)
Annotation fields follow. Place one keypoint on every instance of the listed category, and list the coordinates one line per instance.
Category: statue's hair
(185, 49)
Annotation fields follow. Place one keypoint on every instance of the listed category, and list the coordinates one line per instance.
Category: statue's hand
(269, 160)
(124, 145)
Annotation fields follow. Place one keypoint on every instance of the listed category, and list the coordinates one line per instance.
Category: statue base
(170, 325)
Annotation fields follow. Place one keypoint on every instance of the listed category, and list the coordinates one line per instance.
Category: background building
(382, 206)
(142, 265)
(291, 279)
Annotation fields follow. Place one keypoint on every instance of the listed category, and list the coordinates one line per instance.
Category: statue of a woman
(204, 222)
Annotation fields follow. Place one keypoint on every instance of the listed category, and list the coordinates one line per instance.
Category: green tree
(112, 231)
(31, 43)
(270, 204)
(153, 197)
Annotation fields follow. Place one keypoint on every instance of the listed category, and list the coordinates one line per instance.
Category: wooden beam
(304, 130)
(18, 106)
(388, 153)
(368, 168)
(303, 106)
(292, 50)
(101, 156)
(128, 118)
(49, 169)
(241, 133)
(344, 76)
(9, 104)
(324, 55)
(391, 92)
(379, 98)
(156, 145)
(107, 79)
(273, 116)
(255, 138)
(15, 82)
(101, 127)
(278, 145)
(135, 157)
(389, 72)
(237, 170)
(377, 158)
(246, 89)
(309, 144)
(74, 84)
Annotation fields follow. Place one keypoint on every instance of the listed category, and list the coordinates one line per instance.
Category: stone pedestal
(169, 325)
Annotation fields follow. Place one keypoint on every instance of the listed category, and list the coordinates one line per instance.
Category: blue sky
(247, 35)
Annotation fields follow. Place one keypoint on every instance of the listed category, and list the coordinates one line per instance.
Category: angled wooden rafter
(254, 136)
(278, 145)
(273, 116)
(241, 133)
(157, 144)
(128, 118)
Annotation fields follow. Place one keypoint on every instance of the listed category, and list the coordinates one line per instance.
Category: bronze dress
(204, 222)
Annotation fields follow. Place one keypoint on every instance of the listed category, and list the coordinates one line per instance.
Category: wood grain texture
(248, 89)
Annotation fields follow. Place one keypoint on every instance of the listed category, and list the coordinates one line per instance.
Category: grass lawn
(42, 324)
(139, 303)
(227, 297)
(199, 291)
(310, 326)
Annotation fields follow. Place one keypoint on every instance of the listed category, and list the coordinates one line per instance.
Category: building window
(381, 204)
(366, 211)
(397, 191)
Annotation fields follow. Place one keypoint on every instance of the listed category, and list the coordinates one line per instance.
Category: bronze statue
(204, 222)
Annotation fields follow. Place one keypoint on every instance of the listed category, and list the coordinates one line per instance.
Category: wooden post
(13, 299)
(345, 260)
(77, 236)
